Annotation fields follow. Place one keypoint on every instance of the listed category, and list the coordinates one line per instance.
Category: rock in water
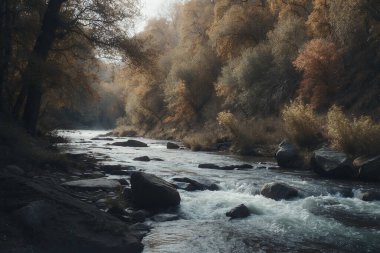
(94, 184)
(278, 191)
(368, 167)
(333, 164)
(288, 156)
(151, 192)
(142, 159)
(171, 145)
(238, 212)
(189, 184)
(371, 196)
(131, 143)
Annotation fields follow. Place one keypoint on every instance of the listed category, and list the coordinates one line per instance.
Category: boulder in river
(142, 159)
(278, 191)
(332, 164)
(238, 212)
(189, 184)
(171, 145)
(151, 192)
(371, 196)
(288, 156)
(368, 167)
(131, 143)
(93, 184)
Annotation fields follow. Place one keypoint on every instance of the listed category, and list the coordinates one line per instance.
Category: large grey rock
(332, 164)
(131, 143)
(238, 212)
(171, 145)
(48, 219)
(93, 184)
(278, 191)
(151, 192)
(368, 167)
(288, 156)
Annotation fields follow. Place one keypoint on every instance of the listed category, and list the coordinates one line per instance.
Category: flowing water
(328, 217)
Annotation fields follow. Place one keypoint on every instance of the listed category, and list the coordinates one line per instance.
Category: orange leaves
(321, 65)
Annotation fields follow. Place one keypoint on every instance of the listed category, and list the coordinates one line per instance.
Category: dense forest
(239, 63)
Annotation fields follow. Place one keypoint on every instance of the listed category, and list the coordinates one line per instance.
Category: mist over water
(321, 220)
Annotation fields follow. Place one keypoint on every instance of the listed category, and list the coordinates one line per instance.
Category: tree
(322, 67)
(98, 22)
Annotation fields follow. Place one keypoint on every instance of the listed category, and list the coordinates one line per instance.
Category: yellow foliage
(302, 125)
(357, 136)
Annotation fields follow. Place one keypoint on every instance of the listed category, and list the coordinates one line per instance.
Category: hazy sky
(153, 8)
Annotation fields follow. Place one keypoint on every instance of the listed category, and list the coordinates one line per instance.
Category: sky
(153, 8)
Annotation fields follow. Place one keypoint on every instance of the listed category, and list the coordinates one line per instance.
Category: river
(328, 217)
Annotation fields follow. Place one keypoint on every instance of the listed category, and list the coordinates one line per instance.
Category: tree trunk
(32, 79)
(5, 45)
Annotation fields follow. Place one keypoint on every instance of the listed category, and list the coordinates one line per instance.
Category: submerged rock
(188, 184)
(164, 217)
(171, 145)
(142, 159)
(131, 143)
(151, 192)
(288, 156)
(333, 164)
(238, 212)
(368, 168)
(102, 139)
(227, 167)
(93, 184)
(278, 191)
(118, 170)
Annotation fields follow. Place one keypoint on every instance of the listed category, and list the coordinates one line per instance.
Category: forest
(210, 126)
(228, 69)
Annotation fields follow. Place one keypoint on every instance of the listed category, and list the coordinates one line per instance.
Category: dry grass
(248, 134)
(356, 136)
(203, 141)
(302, 125)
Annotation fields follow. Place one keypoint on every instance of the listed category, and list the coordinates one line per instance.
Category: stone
(131, 143)
(164, 217)
(142, 159)
(151, 192)
(287, 155)
(189, 184)
(171, 145)
(332, 164)
(278, 191)
(368, 168)
(371, 196)
(93, 184)
(238, 212)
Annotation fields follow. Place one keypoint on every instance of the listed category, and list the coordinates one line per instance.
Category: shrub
(248, 134)
(302, 125)
(357, 136)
